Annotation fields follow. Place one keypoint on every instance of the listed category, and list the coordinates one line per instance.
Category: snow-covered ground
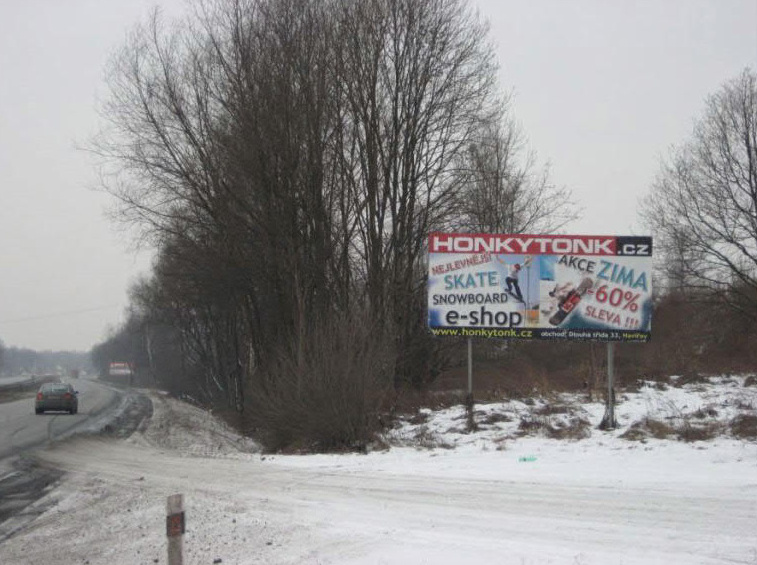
(536, 483)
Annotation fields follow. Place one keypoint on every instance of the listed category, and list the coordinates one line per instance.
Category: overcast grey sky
(602, 88)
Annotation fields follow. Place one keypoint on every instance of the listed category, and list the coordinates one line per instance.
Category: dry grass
(705, 412)
(744, 426)
(688, 430)
(551, 409)
(635, 433)
(691, 378)
(493, 418)
(700, 432)
(742, 404)
(530, 425)
(572, 427)
(648, 428)
(419, 418)
(426, 439)
(562, 417)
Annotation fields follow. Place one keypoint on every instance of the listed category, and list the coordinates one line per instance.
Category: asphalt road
(22, 480)
(21, 428)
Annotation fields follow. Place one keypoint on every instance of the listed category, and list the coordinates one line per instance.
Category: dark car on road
(56, 396)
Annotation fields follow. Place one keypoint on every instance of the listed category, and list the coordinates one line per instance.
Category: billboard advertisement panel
(119, 369)
(540, 286)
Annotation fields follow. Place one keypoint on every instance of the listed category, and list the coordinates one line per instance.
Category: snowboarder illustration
(570, 301)
(556, 297)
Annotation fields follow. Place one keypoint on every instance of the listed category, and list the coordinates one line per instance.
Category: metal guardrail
(31, 383)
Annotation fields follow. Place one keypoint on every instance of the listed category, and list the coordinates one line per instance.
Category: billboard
(540, 286)
(119, 369)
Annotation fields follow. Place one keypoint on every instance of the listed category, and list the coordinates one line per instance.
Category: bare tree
(503, 189)
(218, 130)
(288, 159)
(703, 205)
(416, 77)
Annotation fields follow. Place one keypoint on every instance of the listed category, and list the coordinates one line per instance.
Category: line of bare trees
(287, 159)
(703, 204)
(702, 210)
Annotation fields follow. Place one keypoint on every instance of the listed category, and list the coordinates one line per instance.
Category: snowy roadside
(507, 493)
(189, 431)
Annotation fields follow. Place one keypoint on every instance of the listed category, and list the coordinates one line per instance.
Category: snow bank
(508, 492)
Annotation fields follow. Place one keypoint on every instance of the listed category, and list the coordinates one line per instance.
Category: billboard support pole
(608, 421)
(470, 367)
(469, 398)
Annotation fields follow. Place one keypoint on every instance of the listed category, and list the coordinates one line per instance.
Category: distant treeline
(15, 361)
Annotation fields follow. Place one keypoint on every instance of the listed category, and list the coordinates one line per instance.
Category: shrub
(426, 439)
(571, 426)
(635, 433)
(495, 418)
(744, 426)
(742, 404)
(550, 409)
(705, 412)
(705, 432)
(574, 427)
(648, 427)
(325, 391)
(529, 424)
(691, 378)
(419, 418)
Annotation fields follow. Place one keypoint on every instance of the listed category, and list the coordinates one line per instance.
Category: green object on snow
(527, 459)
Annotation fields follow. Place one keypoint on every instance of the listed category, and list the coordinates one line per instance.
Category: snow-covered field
(536, 483)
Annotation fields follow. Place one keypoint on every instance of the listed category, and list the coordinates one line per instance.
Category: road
(22, 480)
(653, 503)
(260, 512)
(21, 428)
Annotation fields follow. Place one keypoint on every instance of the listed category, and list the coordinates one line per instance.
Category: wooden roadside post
(175, 527)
